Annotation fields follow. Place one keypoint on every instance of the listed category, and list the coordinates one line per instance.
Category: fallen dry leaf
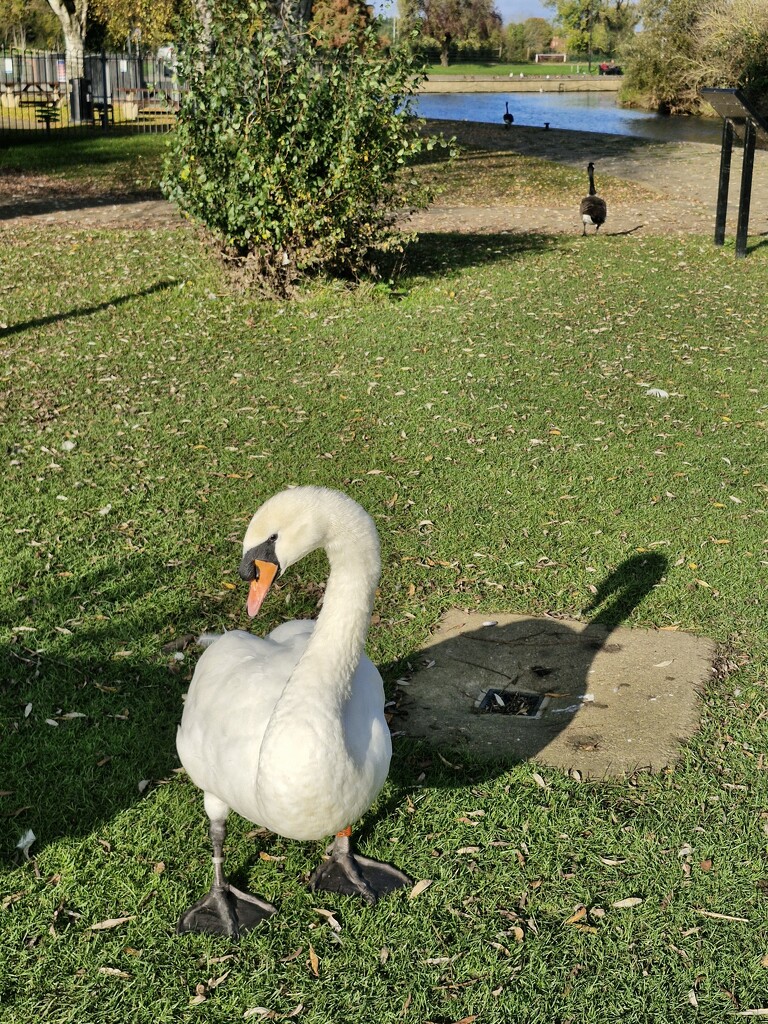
(578, 915)
(111, 922)
(419, 888)
(114, 972)
(720, 917)
(630, 901)
(330, 916)
(314, 962)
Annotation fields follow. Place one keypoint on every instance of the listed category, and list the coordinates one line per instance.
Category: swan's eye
(273, 538)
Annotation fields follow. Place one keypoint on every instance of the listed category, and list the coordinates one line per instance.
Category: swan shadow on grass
(540, 655)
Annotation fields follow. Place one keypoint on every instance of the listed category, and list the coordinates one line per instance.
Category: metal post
(76, 112)
(104, 114)
(725, 176)
(748, 163)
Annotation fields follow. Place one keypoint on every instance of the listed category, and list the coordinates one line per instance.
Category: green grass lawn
(490, 410)
(115, 161)
(490, 68)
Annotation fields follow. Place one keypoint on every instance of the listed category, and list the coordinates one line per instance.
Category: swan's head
(293, 523)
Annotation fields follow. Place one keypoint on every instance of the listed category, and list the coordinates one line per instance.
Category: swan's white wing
(237, 682)
(365, 728)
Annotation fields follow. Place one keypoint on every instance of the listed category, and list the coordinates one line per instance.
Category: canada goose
(506, 117)
(289, 729)
(593, 209)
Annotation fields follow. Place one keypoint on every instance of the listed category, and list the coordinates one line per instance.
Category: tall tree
(686, 45)
(154, 19)
(514, 43)
(26, 23)
(449, 20)
(72, 15)
(595, 25)
(660, 63)
(537, 34)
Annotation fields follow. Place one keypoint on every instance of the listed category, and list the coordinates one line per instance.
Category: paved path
(678, 196)
(680, 179)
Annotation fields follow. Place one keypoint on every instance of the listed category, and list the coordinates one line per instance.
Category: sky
(510, 10)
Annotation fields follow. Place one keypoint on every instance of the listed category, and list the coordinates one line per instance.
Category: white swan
(289, 730)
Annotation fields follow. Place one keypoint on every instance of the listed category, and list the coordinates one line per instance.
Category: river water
(577, 111)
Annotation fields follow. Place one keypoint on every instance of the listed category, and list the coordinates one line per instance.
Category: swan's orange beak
(259, 588)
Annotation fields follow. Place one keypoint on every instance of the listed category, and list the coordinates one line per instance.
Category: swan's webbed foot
(350, 874)
(225, 910)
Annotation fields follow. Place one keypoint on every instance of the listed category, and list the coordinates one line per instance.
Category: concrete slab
(615, 700)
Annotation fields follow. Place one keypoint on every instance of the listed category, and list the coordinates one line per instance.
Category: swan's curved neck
(338, 639)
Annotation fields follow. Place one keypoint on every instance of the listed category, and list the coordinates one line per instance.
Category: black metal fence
(54, 92)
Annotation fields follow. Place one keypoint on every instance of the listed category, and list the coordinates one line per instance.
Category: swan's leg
(224, 910)
(347, 872)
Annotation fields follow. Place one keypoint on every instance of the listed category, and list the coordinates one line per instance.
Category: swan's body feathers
(295, 786)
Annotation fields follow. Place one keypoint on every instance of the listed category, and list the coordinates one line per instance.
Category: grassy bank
(505, 70)
(490, 409)
(117, 162)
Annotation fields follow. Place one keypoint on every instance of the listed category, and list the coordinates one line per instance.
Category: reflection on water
(578, 111)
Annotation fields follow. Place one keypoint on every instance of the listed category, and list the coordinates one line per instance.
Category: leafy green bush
(293, 157)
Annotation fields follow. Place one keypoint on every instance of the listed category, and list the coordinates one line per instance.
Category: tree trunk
(444, 56)
(204, 17)
(72, 16)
